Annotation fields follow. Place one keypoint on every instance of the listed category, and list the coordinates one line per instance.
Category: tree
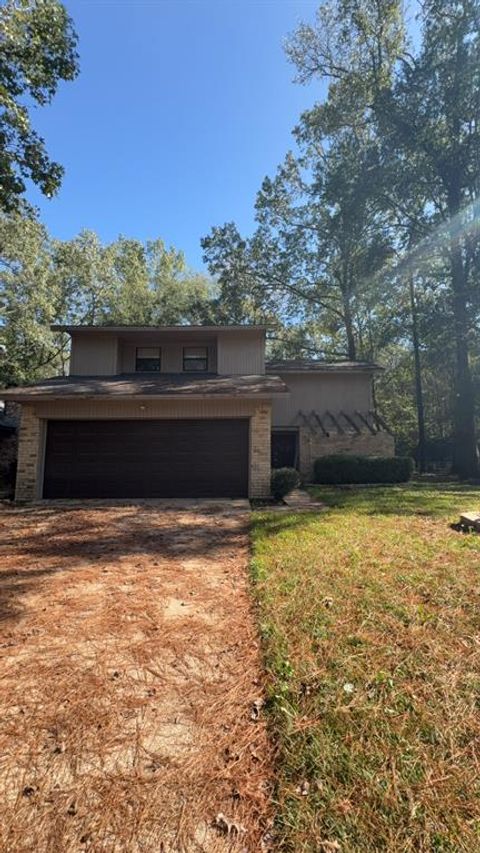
(321, 240)
(38, 50)
(83, 269)
(30, 300)
(45, 281)
(424, 107)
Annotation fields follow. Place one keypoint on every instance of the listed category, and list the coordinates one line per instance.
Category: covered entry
(174, 458)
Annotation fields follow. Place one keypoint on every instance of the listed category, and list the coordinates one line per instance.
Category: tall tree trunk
(418, 380)
(465, 461)
(349, 331)
(466, 453)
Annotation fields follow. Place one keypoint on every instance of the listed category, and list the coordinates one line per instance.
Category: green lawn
(370, 617)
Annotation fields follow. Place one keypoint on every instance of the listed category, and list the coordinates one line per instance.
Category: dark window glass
(195, 359)
(147, 360)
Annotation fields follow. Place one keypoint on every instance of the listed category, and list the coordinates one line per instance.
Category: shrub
(362, 469)
(284, 480)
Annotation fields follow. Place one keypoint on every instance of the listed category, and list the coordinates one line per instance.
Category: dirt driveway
(129, 676)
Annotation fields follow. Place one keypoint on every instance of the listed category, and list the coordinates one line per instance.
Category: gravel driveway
(130, 681)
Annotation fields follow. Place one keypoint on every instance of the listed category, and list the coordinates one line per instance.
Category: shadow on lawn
(51, 541)
(271, 524)
(416, 499)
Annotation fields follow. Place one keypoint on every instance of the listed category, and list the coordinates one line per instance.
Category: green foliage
(38, 50)
(367, 242)
(284, 481)
(362, 609)
(317, 247)
(45, 281)
(362, 469)
(31, 298)
(421, 104)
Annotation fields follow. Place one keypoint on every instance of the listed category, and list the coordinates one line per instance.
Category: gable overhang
(193, 331)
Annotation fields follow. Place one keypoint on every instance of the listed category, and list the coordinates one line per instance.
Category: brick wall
(313, 445)
(260, 464)
(30, 448)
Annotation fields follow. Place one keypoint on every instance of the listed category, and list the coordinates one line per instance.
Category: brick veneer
(313, 445)
(30, 450)
(260, 458)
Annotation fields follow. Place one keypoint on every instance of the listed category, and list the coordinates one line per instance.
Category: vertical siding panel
(242, 353)
(321, 392)
(93, 355)
(234, 353)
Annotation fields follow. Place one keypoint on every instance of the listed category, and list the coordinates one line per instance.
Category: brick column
(30, 442)
(260, 459)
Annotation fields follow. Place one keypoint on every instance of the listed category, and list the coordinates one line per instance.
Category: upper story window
(147, 359)
(195, 359)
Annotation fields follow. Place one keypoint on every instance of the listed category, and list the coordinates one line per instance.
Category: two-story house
(185, 411)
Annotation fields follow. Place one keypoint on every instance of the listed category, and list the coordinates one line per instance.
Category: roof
(138, 385)
(351, 422)
(305, 365)
(177, 328)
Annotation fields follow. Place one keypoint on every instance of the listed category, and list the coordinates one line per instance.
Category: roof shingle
(138, 385)
(308, 365)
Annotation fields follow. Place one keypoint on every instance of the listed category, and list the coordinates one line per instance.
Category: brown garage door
(151, 459)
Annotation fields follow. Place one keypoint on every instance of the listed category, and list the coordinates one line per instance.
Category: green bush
(284, 480)
(362, 469)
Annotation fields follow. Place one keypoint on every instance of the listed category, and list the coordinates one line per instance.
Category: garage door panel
(161, 458)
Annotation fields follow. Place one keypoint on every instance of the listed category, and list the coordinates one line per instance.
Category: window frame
(188, 359)
(145, 370)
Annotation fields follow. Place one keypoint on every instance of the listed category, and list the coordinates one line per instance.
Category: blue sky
(180, 109)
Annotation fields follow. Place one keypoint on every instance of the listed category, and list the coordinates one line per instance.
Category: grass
(370, 619)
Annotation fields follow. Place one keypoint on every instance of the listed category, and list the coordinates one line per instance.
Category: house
(185, 411)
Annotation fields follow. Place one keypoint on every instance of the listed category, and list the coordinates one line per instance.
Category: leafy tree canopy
(367, 237)
(45, 281)
(37, 51)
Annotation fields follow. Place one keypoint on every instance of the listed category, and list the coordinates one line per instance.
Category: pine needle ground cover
(370, 619)
(129, 668)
